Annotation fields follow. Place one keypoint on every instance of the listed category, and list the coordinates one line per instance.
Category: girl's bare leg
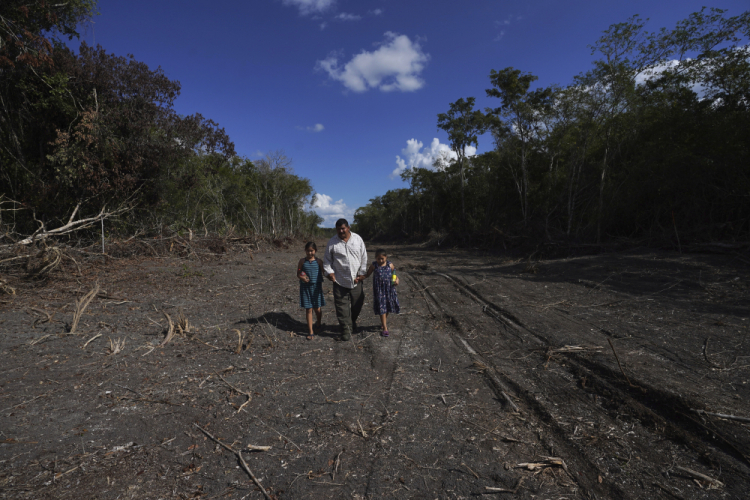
(384, 321)
(309, 315)
(319, 314)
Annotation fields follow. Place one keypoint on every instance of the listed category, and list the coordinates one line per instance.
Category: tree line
(89, 128)
(651, 143)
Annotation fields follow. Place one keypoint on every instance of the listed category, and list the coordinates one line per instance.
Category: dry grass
(183, 326)
(170, 330)
(81, 306)
(116, 346)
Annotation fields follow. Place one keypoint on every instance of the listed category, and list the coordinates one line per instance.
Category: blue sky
(350, 90)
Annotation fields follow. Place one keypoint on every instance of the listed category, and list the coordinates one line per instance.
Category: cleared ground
(602, 374)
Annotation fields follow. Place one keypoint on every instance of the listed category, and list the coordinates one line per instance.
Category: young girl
(310, 274)
(384, 284)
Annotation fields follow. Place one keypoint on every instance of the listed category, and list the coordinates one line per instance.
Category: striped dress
(311, 293)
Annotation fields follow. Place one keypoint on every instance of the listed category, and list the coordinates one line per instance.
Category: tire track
(586, 476)
(654, 409)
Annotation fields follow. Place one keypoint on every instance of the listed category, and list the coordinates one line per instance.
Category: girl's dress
(311, 293)
(383, 290)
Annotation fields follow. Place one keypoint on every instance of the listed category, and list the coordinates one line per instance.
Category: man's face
(344, 232)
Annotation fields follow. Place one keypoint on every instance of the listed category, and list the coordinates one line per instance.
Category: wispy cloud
(376, 12)
(318, 127)
(395, 65)
(502, 25)
(331, 210)
(348, 17)
(307, 7)
(417, 156)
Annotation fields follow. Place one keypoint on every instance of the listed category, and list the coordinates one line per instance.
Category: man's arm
(328, 263)
(362, 258)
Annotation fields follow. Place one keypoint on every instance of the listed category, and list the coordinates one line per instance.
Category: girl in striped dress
(310, 275)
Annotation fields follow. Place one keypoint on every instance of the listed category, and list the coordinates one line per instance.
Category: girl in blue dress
(310, 275)
(385, 299)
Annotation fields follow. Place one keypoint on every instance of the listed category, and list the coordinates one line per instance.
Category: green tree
(464, 125)
(522, 110)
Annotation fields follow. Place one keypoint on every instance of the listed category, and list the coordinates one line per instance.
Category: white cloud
(331, 211)
(395, 65)
(655, 72)
(376, 12)
(417, 156)
(348, 17)
(318, 127)
(323, 26)
(309, 6)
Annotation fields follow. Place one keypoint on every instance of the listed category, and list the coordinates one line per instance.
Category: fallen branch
(621, 370)
(238, 454)
(715, 483)
(40, 321)
(81, 306)
(71, 226)
(722, 415)
(469, 469)
(91, 339)
(249, 396)
(547, 462)
(490, 489)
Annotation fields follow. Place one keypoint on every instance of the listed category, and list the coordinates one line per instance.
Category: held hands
(331, 277)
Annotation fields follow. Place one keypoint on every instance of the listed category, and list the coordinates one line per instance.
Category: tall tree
(522, 109)
(464, 125)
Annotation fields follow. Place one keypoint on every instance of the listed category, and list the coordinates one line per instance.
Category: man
(345, 263)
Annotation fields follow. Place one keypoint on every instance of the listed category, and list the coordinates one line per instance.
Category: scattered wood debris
(238, 454)
(547, 462)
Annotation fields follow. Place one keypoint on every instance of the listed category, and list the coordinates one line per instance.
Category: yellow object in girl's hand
(394, 278)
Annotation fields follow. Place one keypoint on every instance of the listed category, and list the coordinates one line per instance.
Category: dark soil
(492, 364)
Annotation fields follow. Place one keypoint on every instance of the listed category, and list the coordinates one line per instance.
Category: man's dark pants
(348, 303)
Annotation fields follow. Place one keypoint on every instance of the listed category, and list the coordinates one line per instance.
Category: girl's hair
(311, 244)
(380, 252)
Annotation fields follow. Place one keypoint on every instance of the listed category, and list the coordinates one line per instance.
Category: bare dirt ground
(586, 377)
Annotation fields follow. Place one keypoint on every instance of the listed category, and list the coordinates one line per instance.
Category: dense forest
(92, 134)
(651, 144)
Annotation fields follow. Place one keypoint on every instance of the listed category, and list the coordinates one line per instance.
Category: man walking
(345, 262)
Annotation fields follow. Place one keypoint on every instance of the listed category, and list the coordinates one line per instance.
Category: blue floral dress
(311, 293)
(385, 299)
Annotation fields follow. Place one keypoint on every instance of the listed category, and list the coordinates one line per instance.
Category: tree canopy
(650, 143)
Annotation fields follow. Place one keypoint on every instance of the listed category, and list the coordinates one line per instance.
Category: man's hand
(358, 279)
(331, 277)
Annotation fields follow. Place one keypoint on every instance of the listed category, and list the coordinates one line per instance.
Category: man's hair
(342, 222)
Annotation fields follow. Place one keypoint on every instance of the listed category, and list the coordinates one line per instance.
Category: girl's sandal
(311, 337)
(384, 333)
